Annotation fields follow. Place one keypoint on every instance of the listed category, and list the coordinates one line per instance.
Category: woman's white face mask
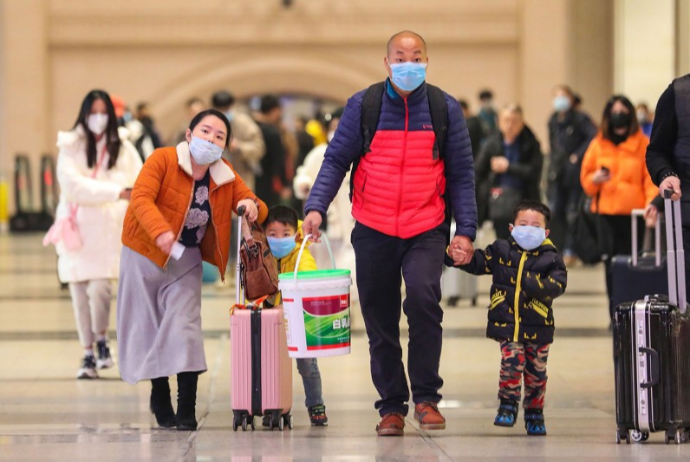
(97, 123)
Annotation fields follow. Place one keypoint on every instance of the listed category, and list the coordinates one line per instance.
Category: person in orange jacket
(615, 175)
(180, 214)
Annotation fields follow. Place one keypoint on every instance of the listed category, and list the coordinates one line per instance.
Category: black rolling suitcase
(650, 343)
(635, 275)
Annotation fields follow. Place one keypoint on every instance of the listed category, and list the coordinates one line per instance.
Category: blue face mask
(408, 76)
(561, 103)
(528, 237)
(204, 152)
(281, 246)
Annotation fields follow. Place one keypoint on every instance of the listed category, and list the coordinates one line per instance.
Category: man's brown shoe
(392, 424)
(429, 417)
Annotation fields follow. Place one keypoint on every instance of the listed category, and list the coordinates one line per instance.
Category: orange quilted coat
(630, 186)
(161, 198)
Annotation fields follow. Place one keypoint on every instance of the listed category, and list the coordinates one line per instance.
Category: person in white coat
(96, 169)
(340, 221)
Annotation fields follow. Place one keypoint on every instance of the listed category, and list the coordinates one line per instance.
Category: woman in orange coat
(615, 175)
(180, 214)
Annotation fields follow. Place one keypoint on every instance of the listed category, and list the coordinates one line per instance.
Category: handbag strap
(74, 207)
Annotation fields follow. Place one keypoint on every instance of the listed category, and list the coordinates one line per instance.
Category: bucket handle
(301, 249)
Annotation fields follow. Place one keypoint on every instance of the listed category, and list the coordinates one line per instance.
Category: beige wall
(166, 51)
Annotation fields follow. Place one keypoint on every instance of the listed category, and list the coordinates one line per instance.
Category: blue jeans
(311, 378)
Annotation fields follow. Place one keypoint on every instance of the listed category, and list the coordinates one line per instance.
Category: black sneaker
(104, 359)
(317, 415)
(88, 368)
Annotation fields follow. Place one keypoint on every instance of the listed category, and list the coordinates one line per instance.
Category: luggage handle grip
(301, 249)
(657, 238)
(655, 367)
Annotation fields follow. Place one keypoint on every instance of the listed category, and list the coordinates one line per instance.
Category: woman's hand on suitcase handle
(651, 215)
(311, 224)
(165, 241)
(251, 211)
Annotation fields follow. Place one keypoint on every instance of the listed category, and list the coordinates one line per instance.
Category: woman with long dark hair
(615, 174)
(96, 169)
(180, 214)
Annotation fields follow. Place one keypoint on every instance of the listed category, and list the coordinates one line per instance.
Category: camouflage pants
(528, 359)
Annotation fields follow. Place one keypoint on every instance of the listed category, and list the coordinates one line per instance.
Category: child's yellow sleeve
(307, 263)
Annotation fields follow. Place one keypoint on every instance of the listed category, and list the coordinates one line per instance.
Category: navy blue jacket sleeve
(460, 172)
(342, 151)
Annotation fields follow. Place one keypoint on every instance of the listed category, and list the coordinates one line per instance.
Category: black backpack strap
(439, 118)
(371, 109)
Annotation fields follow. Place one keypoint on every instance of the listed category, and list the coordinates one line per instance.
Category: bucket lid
(332, 273)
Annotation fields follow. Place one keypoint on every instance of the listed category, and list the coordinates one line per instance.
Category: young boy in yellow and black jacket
(528, 274)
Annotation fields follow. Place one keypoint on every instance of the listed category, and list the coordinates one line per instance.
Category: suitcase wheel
(244, 423)
(287, 418)
(236, 418)
(638, 436)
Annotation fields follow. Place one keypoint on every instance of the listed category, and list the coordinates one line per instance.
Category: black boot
(160, 404)
(186, 400)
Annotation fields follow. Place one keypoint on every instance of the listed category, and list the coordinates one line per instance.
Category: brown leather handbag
(259, 269)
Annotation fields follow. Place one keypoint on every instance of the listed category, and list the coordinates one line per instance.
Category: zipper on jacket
(518, 289)
(402, 167)
(179, 233)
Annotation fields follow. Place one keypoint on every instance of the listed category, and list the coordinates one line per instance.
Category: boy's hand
(311, 224)
(251, 211)
(461, 250)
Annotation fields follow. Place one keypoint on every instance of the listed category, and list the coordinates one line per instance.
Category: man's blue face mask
(408, 76)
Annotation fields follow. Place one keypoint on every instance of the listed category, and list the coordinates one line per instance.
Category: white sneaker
(104, 359)
(88, 368)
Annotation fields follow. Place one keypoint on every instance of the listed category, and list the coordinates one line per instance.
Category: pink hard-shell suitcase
(260, 366)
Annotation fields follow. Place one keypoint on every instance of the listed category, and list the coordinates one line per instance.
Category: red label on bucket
(324, 306)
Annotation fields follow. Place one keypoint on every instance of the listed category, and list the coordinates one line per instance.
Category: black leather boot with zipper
(186, 400)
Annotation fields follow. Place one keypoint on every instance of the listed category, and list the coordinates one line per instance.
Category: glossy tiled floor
(45, 414)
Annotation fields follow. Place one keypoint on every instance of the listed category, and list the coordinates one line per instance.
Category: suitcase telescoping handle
(238, 284)
(654, 367)
(657, 238)
(675, 255)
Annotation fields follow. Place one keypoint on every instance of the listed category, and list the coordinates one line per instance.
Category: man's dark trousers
(382, 263)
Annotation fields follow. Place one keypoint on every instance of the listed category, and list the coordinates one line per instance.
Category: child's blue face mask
(528, 237)
(281, 246)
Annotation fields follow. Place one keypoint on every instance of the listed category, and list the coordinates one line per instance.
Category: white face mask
(97, 123)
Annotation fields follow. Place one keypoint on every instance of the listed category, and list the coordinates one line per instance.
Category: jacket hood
(632, 143)
(221, 173)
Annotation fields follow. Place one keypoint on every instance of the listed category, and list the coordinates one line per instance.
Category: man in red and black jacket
(399, 192)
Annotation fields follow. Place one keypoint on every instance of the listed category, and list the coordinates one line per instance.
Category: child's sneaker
(317, 415)
(534, 422)
(104, 359)
(507, 413)
(88, 368)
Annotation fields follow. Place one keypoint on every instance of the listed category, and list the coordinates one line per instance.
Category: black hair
(606, 129)
(577, 99)
(485, 94)
(282, 214)
(463, 104)
(268, 103)
(532, 205)
(222, 99)
(216, 113)
(112, 138)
